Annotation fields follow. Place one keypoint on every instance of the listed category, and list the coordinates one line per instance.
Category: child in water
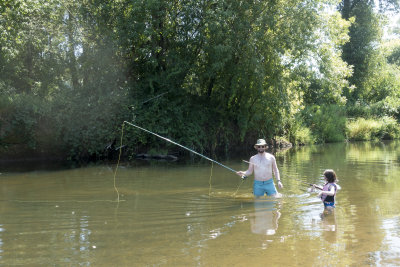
(328, 191)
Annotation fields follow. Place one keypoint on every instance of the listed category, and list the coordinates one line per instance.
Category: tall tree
(365, 35)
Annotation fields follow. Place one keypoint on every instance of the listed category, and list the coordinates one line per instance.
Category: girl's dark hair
(330, 176)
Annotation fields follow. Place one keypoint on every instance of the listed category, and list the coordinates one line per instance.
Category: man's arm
(276, 172)
(249, 170)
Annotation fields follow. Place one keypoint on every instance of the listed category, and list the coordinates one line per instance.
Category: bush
(390, 106)
(20, 115)
(359, 109)
(298, 134)
(372, 129)
(361, 129)
(69, 125)
(85, 123)
(327, 123)
(303, 136)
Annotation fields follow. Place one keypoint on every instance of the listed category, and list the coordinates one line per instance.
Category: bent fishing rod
(175, 143)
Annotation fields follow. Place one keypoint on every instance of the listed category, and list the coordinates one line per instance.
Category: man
(263, 164)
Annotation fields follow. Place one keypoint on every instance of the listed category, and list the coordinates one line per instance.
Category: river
(200, 214)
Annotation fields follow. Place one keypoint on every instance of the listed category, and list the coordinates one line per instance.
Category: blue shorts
(329, 204)
(262, 187)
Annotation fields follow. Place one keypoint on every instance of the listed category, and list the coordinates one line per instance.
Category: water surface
(174, 214)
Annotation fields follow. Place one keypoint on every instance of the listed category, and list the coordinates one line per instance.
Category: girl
(328, 192)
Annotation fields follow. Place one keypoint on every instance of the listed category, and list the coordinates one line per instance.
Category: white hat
(261, 142)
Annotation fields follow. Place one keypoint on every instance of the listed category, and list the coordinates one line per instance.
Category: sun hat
(260, 142)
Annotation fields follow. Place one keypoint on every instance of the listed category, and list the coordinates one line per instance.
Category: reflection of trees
(373, 151)
(40, 228)
(359, 169)
(45, 238)
(368, 174)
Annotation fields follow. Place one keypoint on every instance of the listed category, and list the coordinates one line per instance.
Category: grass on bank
(356, 129)
(384, 128)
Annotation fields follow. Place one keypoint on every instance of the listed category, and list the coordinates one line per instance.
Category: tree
(365, 35)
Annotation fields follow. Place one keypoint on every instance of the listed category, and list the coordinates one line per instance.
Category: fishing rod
(157, 96)
(316, 186)
(309, 184)
(175, 143)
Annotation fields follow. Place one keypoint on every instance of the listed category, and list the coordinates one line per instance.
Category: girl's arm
(331, 192)
(316, 186)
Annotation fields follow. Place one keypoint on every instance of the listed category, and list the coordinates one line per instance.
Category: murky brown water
(167, 217)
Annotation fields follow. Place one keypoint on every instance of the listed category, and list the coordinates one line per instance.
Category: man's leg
(271, 189)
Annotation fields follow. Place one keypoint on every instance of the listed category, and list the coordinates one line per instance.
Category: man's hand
(241, 173)
(280, 185)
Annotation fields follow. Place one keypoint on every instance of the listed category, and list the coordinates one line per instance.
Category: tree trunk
(346, 9)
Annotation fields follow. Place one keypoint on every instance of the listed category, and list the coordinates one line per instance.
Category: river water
(189, 214)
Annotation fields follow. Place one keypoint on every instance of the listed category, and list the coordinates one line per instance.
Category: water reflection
(265, 218)
(390, 253)
(1, 241)
(329, 226)
(168, 217)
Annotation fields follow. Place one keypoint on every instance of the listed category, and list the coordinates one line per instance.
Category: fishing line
(119, 159)
(209, 190)
(175, 143)
(238, 187)
(244, 176)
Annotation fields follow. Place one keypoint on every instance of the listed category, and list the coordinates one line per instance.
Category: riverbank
(355, 129)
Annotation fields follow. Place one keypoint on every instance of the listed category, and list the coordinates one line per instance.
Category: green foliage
(85, 124)
(206, 74)
(234, 66)
(372, 129)
(327, 75)
(390, 106)
(394, 57)
(365, 33)
(383, 88)
(302, 135)
(63, 89)
(383, 83)
(328, 122)
(21, 117)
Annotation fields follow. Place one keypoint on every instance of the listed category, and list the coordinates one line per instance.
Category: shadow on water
(19, 166)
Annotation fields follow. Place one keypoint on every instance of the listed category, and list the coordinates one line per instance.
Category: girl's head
(330, 176)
